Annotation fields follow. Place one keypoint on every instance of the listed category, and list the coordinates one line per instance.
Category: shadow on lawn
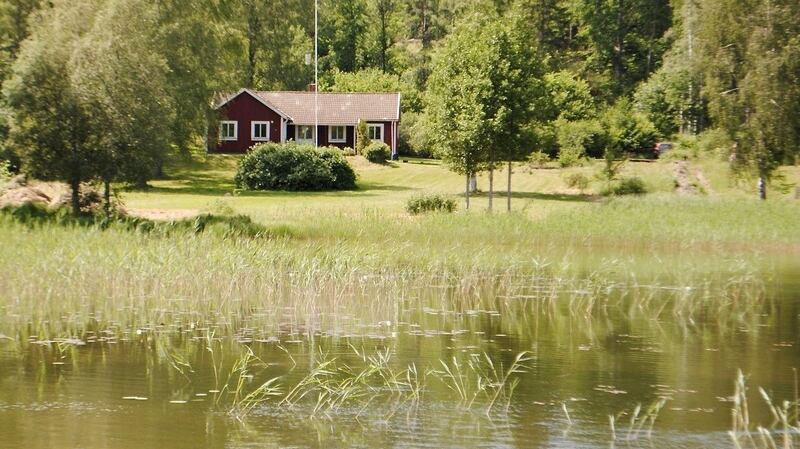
(212, 186)
(575, 198)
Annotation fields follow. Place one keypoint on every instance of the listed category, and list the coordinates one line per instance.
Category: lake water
(589, 355)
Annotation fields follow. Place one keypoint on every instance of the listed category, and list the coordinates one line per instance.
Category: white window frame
(297, 134)
(253, 126)
(235, 135)
(371, 126)
(343, 139)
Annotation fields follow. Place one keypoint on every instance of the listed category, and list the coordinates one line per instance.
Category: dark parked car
(661, 148)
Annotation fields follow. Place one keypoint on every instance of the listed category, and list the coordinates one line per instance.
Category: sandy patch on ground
(163, 214)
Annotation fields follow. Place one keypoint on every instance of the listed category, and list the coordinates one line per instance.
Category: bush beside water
(226, 226)
(294, 167)
(377, 153)
(430, 203)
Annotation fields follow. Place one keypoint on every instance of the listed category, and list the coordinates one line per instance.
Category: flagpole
(316, 73)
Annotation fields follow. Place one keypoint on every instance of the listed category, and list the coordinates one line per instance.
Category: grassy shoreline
(378, 255)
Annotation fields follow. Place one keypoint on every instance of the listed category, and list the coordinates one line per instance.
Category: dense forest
(106, 89)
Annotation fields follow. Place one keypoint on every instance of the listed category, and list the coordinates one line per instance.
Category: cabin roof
(335, 108)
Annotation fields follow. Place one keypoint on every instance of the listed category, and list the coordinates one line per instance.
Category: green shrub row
(226, 226)
(430, 203)
(295, 167)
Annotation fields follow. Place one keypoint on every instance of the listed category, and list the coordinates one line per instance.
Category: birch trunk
(466, 192)
(491, 186)
(508, 196)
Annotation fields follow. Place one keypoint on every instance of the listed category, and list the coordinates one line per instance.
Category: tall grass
(60, 281)
(783, 432)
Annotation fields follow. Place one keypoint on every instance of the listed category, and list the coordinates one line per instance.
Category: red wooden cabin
(251, 117)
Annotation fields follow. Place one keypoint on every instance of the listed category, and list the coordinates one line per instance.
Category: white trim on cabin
(341, 139)
(394, 139)
(254, 126)
(225, 136)
(371, 134)
(283, 130)
(398, 106)
(309, 140)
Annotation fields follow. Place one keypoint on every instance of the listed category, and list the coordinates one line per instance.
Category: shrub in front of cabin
(344, 177)
(430, 203)
(377, 153)
(294, 167)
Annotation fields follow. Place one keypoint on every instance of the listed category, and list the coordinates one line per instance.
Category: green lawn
(202, 185)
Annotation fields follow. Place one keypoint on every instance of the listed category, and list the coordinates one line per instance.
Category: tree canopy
(685, 65)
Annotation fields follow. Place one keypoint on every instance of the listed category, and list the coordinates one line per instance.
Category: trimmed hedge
(295, 167)
(377, 153)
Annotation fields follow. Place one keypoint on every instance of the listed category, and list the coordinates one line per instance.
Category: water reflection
(596, 350)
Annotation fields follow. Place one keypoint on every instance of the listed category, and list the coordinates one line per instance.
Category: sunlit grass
(196, 185)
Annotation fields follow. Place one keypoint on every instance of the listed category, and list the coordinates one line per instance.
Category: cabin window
(259, 130)
(228, 130)
(336, 134)
(305, 133)
(375, 132)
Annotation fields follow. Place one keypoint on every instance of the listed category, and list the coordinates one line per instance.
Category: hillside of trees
(107, 89)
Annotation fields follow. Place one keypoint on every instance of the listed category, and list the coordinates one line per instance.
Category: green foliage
(290, 166)
(377, 153)
(14, 161)
(14, 29)
(685, 147)
(538, 159)
(482, 96)
(676, 154)
(266, 51)
(716, 143)
(629, 131)
(579, 139)
(362, 137)
(342, 175)
(569, 96)
(625, 40)
(190, 34)
(52, 128)
(671, 100)
(430, 203)
(225, 226)
(571, 156)
(5, 170)
(576, 180)
(132, 80)
(625, 186)
(751, 65)
(124, 86)
(343, 33)
(413, 137)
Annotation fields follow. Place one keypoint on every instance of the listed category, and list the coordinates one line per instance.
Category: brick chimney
(312, 87)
